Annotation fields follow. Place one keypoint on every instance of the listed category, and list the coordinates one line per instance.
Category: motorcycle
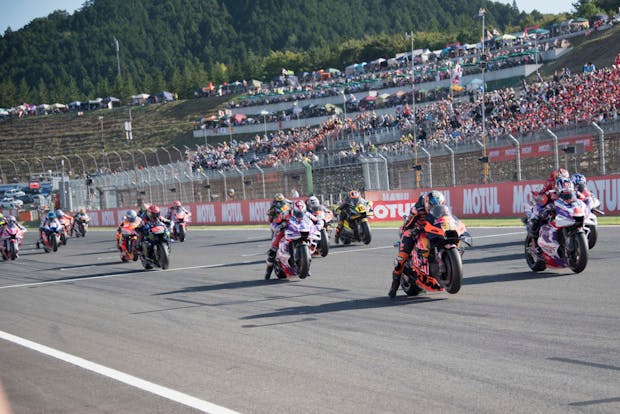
(356, 226)
(127, 242)
(50, 237)
(65, 227)
(294, 252)
(435, 262)
(157, 242)
(561, 240)
(179, 223)
(80, 225)
(10, 240)
(324, 227)
(591, 220)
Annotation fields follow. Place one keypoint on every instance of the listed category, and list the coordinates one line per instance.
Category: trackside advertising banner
(490, 200)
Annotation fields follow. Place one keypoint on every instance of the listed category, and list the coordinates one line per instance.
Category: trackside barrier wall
(472, 201)
(488, 200)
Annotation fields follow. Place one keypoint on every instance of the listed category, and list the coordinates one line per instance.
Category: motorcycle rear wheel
(453, 277)
(533, 262)
(578, 258)
(324, 245)
(592, 236)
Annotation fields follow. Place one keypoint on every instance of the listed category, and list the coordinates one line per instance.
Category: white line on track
(128, 379)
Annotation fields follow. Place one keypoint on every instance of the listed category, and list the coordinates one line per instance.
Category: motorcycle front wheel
(452, 279)
(181, 234)
(163, 256)
(578, 258)
(365, 229)
(302, 260)
(54, 244)
(14, 251)
(535, 264)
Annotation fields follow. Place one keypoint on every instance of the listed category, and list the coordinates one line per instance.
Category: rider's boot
(394, 286)
(271, 256)
(337, 233)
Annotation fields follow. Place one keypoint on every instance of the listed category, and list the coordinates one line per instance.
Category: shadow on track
(494, 259)
(512, 277)
(238, 242)
(367, 303)
(243, 284)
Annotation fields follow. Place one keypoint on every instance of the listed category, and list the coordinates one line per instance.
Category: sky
(19, 13)
(544, 6)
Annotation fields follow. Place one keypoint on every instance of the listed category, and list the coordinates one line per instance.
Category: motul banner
(484, 200)
(488, 200)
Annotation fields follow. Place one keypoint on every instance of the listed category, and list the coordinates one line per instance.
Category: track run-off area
(81, 332)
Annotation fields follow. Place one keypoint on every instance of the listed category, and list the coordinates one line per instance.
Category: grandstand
(161, 137)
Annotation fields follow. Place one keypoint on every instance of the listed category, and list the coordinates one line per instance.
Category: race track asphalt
(81, 332)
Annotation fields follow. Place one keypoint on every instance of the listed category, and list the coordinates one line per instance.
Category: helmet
(557, 174)
(419, 205)
(278, 197)
(131, 215)
(11, 218)
(565, 189)
(145, 207)
(177, 203)
(579, 180)
(354, 194)
(299, 209)
(154, 212)
(51, 215)
(59, 213)
(82, 211)
(432, 199)
(314, 202)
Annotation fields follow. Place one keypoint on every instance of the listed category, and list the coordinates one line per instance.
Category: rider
(143, 209)
(350, 200)
(80, 216)
(64, 219)
(278, 215)
(544, 198)
(152, 217)
(129, 219)
(176, 208)
(49, 219)
(579, 181)
(411, 229)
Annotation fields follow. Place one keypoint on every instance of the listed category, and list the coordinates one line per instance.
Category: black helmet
(419, 205)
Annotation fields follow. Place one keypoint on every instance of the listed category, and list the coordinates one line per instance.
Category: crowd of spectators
(566, 100)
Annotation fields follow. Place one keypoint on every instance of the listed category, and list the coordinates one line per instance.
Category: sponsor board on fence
(484, 200)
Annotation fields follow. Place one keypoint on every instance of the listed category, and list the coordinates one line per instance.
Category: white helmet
(314, 202)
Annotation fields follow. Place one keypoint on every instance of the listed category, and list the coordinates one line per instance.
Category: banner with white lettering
(489, 200)
(484, 200)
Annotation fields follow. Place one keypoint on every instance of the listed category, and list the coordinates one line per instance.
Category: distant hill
(599, 48)
(179, 45)
(172, 123)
